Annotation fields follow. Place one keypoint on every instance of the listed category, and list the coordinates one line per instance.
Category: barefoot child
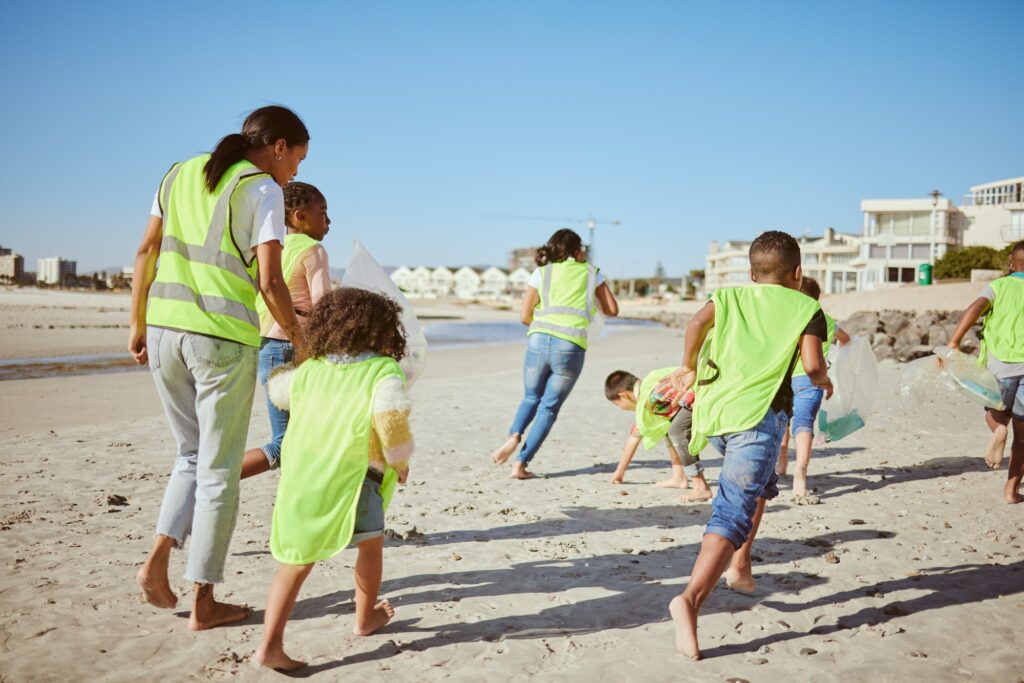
(308, 274)
(743, 400)
(659, 413)
(806, 404)
(347, 444)
(1002, 349)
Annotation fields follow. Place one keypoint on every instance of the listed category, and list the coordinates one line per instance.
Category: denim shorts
(369, 513)
(273, 352)
(806, 403)
(748, 473)
(1012, 390)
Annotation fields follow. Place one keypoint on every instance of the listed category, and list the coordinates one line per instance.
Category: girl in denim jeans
(558, 308)
(308, 275)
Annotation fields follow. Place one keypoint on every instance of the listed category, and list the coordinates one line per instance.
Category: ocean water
(440, 335)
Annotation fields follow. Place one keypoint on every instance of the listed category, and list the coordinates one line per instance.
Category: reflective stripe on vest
(756, 333)
(203, 282)
(564, 325)
(295, 245)
(325, 456)
(1003, 330)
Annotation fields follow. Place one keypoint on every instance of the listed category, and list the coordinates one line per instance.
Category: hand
(403, 476)
(827, 386)
(137, 345)
(681, 380)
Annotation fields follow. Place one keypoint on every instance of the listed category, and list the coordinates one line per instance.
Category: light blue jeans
(206, 386)
(274, 352)
(550, 371)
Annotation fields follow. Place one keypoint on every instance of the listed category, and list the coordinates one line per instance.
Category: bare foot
(740, 580)
(276, 659)
(806, 500)
(994, 452)
(156, 589)
(1011, 495)
(696, 496)
(381, 614)
(505, 451)
(209, 614)
(673, 483)
(685, 617)
(519, 472)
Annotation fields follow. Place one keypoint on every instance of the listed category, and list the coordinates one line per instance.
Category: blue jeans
(1012, 391)
(748, 473)
(550, 371)
(806, 404)
(274, 352)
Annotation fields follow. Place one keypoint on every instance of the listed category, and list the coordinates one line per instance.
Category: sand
(911, 567)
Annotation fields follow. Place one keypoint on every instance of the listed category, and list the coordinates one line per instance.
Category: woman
(217, 227)
(561, 300)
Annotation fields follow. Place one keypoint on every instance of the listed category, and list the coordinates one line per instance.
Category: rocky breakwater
(906, 335)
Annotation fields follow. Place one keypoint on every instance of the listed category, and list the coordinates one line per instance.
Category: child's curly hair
(353, 321)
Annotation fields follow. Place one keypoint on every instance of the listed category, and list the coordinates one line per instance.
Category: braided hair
(298, 196)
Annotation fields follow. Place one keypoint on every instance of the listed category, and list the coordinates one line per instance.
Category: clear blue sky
(687, 121)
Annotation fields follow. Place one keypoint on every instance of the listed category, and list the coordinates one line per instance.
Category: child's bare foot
(799, 483)
(519, 471)
(381, 614)
(695, 496)
(618, 479)
(1011, 495)
(740, 580)
(505, 451)
(208, 613)
(156, 589)
(674, 483)
(685, 617)
(277, 659)
(994, 452)
(806, 499)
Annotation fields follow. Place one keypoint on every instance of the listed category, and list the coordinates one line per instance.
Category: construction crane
(590, 222)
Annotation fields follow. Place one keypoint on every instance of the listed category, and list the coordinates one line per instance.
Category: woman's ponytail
(564, 244)
(229, 151)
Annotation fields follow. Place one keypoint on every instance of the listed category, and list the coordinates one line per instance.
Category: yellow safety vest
(567, 306)
(296, 244)
(1003, 331)
(653, 428)
(203, 282)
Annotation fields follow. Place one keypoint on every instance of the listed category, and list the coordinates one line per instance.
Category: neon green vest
(203, 283)
(1003, 331)
(652, 428)
(296, 244)
(798, 367)
(325, 456)
(756, 336)
(566, 305)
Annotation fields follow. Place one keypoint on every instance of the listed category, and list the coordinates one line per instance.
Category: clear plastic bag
(854, 373)
(364, 272)
(977, 382)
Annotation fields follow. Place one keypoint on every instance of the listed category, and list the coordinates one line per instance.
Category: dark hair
(774, 254)
(1019, 246)
(298, 196)
(810, 287)
(618, 382)
(353, 321)
(564, 244)
(263, 127)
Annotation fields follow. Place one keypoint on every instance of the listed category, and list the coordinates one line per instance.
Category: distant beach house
(404, 278)
(466, 283)
(442, 281)
(518, 279)
(493, 283)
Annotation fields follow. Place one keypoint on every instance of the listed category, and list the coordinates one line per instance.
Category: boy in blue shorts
(743, 403)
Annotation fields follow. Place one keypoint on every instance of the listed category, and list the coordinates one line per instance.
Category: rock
(665, 539)
(862, 322)
(906, 354)
(894, 610)
(757, 661)
(884, 353)
(881, 339)
(734, 679)
(808, 651)
(831, 558)
(894, 321)
(857, 522)
(456, 557)
(938, 335)
(117, 500)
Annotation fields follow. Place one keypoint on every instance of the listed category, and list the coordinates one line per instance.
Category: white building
(55, 271)
(466, 283)
(900, 235)
(829, 260)
(403, 277)
(726, 265)
(494, 283)
(442, 281)
(993, 214)
(518, 279)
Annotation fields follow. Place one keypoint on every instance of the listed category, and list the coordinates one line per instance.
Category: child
(308, 276)
(659, 414)
(743, 399)
(1002, 348)
(806, 403)
(347, 444)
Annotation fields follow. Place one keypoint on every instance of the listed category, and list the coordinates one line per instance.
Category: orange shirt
(310, 280)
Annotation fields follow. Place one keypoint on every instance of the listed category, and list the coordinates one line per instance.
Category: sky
(433, 124)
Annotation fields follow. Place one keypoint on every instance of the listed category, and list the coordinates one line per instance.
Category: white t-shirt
(535, 279)
(257, 214)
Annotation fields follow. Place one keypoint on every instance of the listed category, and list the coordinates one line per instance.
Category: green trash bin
(924, 274)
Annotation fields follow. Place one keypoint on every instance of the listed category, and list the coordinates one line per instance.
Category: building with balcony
(726, 265)
(993, 214)
(56, 271)
(12, 267)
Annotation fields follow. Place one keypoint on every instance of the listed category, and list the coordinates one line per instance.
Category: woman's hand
(682, 380)
(137, 344)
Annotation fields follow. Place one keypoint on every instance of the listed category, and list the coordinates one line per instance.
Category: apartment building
(55, 271)
(993, 214)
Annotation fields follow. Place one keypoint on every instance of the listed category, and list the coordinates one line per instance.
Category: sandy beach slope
(911, 568)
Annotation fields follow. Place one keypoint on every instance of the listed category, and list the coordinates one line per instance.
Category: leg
(273, 353)
(152, 578)
(678, 478)
(807, 400)
(804, 441)
(679, 434)
(1011, 492)
(283, 592)
(715, 554)
(371, 615)
(739, 576)
(783, 464)
(998, 423)
(565, 362)
(535, 376)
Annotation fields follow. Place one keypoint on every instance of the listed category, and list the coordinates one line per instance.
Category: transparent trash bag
(363, 272)
(854, 373)
(596, 329)
(975, 381)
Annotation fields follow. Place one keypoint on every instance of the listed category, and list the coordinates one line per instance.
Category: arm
(974, 311)
(391, 407)
(628, 451)
(530, 302)
(841, 337)
(696, 332)
(275, 292)
(605, 298)
(814, 362)
(145, 273)
(318, 273)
